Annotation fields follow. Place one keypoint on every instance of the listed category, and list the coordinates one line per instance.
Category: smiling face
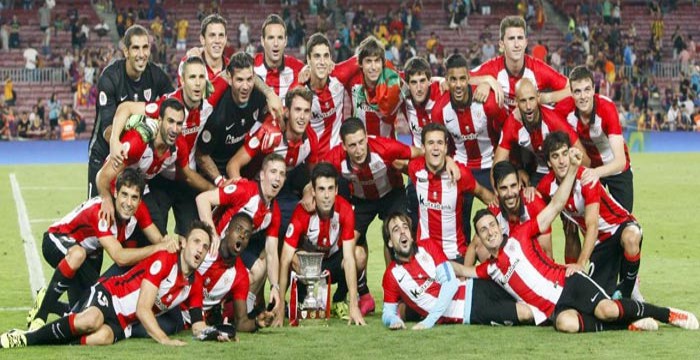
(274, 41)
(458, 82)
(127, 201)
(371, 69)
(272, 177)
(319, 60)
(137, 55)
(508, 192)
(298, 115)
(214, 41)
(324, 192)
(400, 238)
(242, 83)
(171, 125)
(418, 85)
(435, 147)
(559, 161)
(583, 92)
(489, 232)
(527, 100)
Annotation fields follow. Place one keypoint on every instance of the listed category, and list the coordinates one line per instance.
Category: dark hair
(198, 224)
(300, 91)
(134, 30)
(240, 60)
(502, 169)
(131, 177)
(270, 158)
(192, 60)
(271, 20)
(554, 141)
(386, 233)
(430, 127)
(350, 126)
(316, 40)
(479, 214)
(416, 66)
(370, 46)
(212, 19)
(580, 73)
(323, 170)
(456, 61)
(171, 103)
(512, 21)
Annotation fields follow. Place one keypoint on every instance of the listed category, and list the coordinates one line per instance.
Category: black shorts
(165, 194)
(334, 265)
(580, 293)
(490, 304)
(606, 259)
(621, 187)
(53, 250)
(94, 165)
(366, 210)
(100, 298)
(170, 322)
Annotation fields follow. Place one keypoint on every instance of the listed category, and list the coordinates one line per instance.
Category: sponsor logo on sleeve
(103, 98)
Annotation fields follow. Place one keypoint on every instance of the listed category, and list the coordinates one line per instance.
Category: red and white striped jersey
(528, 211)
(515, 134)
(196, 118)
(414, 283)
(376, 177)
(440, 206)
(310, 232)
(269, 138)
(211, 75)
(610, 214)
(418, 115)
(245, 196)
(594, 135)
(161, 269)
(327, 114)
(471, 128)
(142, 156)
(543, 76)
(525, 272)
(281, 79)
(221, 279)
(84, 227)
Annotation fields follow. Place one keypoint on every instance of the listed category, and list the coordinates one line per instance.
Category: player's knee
(89, 321)
(76, 256)
(360, 258)
(631, 239)
(103, 336)
(606, 310)
(567, 321)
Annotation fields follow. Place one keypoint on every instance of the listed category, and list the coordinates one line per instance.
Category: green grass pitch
(666, 192)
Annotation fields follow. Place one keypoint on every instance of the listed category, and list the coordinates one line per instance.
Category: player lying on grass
(571, 300)
(157, 284)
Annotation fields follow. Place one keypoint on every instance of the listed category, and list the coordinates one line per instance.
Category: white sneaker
(636, 294)
(683, 319)
(646, 324)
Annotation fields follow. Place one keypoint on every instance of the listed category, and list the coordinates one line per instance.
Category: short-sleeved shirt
(211, 74)
(245, 196)
(83, 226)
(227, 127)
(281, 79)
(269, 138)
(473, 128)
(595, 135)
(419, 115)
(376, 177)
(414, 283)
(440, 206)
(114, 87)
(611, 215)
(221, 279)
(161, 269)
(327, 114)
(309, 231)
(516, 134)
(543, 76)
(528, 211)
(144, 157)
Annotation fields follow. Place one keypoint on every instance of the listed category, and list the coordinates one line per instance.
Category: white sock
(250, 302)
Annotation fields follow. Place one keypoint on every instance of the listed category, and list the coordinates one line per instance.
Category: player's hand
(453, 169)
(171, 243)
(529, 193)
(573, 268)
(266, 319)
(195, 51)
(575, 157)
(494, 202)
(304, 75)
(524, 178)
(482, 92)
(173, 342)
(418, 326)
(356, 316)
(307, 201)
(215, 243)
(275, 299)
(107, 210)
(274, 105)
(118, 154)
(399, 325)
(278, 318)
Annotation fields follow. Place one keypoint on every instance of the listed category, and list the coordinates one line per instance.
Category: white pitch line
(34, 221)
(53, 188)
(11, 309)
(36, 271)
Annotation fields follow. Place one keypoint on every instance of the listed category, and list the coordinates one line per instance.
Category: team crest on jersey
(147, 94)
(103, 225)
(334, 225)
(230, 189)
(206, 136)
(290, 230)
(254, 143)
(155, 267)
(103, 98)
(255, 114)
(207, 281)
(151, 108)
(266, 221)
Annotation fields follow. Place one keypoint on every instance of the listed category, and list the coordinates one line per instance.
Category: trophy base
(310, 317)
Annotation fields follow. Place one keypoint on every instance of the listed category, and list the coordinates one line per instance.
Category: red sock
(65, 269)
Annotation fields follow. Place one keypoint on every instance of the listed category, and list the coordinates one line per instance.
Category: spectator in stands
(31, 57)
(673, 117)
(201, 13)
(157, 28)
(8, 116)
(5, 36)
(181, 30)
(4, 127)
(40, 109)
(168, 30)
(37, 130)
(44, 17)
(10, 94)
(54, 106)
(243, 33)
(23, 126)
(539, 51)
(14, 32)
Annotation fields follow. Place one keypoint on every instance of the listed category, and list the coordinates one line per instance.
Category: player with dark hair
(133, 78)
(157, 284)
(330, 229)
(213, 39)
(278, 70)
(421, 276)
(572, 301)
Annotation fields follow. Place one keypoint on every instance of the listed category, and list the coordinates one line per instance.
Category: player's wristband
(219, 181)
(275, 286)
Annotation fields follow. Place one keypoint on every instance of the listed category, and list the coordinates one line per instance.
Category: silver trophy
(310, 275)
